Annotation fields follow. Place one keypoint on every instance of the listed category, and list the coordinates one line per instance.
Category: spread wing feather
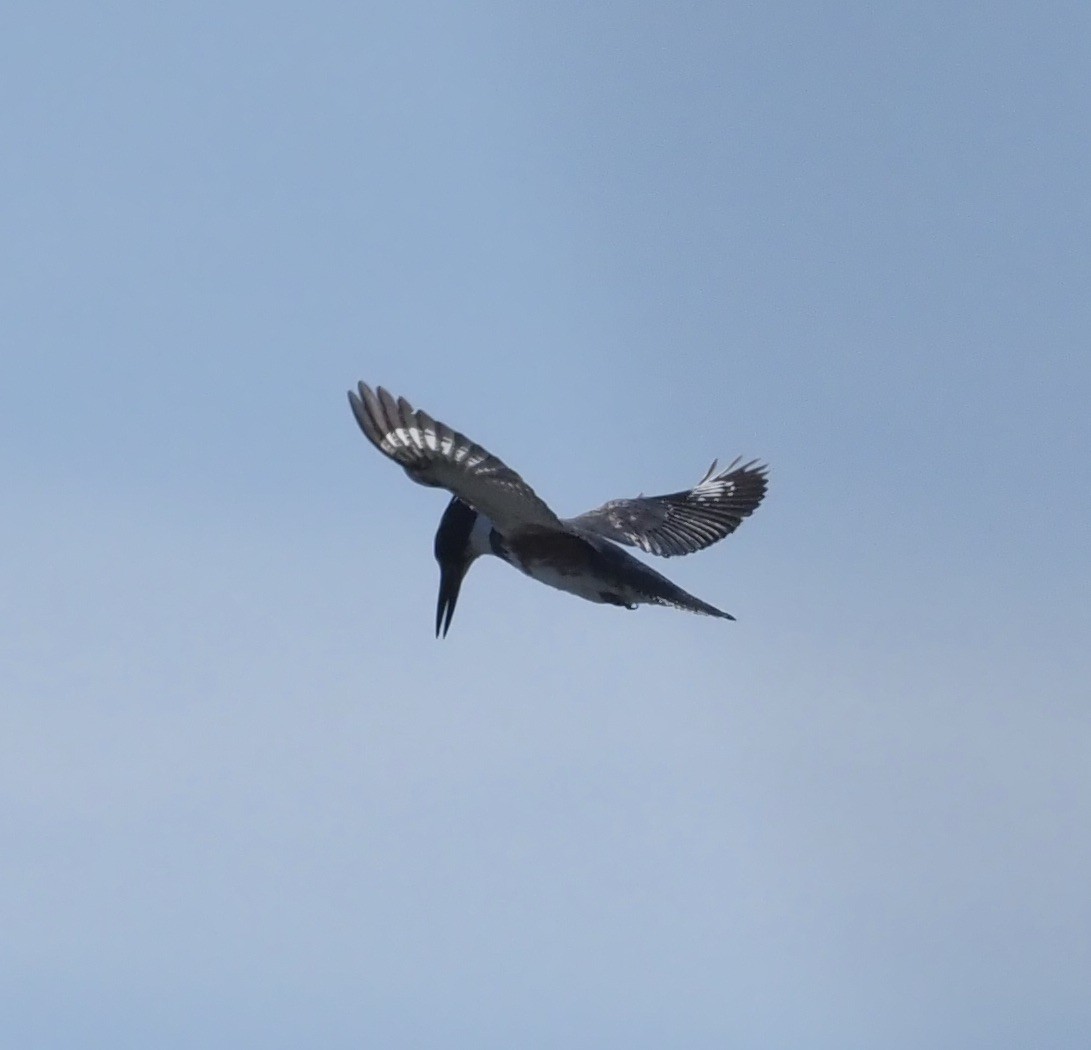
(433, 454)
(682, 522)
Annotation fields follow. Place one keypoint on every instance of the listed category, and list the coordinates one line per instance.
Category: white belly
(587, 587)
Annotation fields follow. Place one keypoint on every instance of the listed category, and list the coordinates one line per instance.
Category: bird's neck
(480, 540)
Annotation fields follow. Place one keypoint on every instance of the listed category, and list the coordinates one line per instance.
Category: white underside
(586, 587)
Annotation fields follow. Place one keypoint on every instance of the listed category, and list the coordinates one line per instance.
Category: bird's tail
(691, 604)
(671, 594)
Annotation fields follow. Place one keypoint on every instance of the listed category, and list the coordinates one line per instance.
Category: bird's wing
(682, 522)
(433, 454)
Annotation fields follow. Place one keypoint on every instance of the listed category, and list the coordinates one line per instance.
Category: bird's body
(494, 512)
(581, 563)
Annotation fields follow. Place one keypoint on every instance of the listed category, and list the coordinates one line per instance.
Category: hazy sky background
(246, 799)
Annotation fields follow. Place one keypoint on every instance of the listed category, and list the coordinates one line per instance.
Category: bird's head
(455, 552)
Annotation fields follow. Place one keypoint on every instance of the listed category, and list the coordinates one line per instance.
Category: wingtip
(357, 407)
(737, 466)
(365, 408)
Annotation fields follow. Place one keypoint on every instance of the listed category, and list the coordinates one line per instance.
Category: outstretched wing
(682, 522)
(434, 454)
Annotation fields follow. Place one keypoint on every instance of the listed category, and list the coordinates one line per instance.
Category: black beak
(450, 582)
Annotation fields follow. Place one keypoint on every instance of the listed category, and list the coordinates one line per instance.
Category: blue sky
(248, 800)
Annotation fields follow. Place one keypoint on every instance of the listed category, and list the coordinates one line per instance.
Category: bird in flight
(494, 511)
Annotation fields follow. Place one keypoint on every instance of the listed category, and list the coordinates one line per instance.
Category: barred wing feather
(682, 522)
(433, 454)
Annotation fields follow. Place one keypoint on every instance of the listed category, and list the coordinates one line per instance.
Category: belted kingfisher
(494, 511)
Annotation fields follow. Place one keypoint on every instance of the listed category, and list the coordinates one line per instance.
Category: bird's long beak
(450, 582)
